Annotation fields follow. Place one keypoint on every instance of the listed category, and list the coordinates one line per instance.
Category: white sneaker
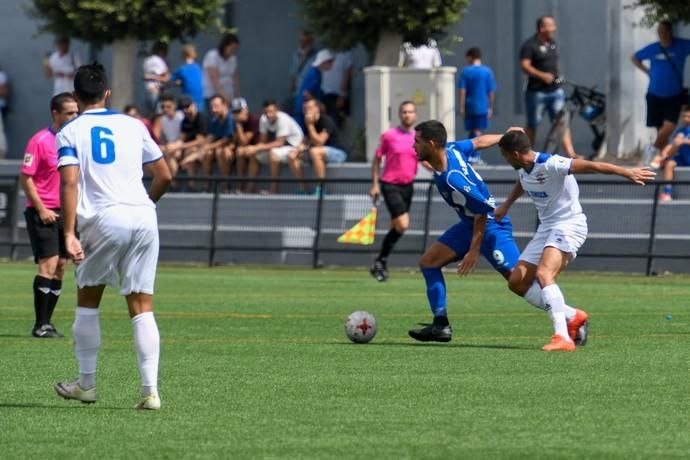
(150, 402)
(72, 390)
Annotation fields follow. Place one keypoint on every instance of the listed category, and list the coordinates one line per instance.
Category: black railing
(9, 187)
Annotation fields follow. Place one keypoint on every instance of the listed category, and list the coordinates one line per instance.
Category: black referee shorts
(397, 197)
(47, 240)
(660, 109)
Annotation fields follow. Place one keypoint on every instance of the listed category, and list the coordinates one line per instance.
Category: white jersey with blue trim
(461, 186)
(110, 149)
(553, 189)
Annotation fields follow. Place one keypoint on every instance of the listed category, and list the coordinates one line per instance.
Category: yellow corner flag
(363, 232)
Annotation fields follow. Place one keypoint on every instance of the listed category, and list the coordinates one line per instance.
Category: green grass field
(255, 365)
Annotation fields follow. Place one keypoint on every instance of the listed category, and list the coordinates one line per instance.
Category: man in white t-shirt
(156, 75)
(335, 86)
(562, 230)
(279, 135)
(221, 76)
(101, 157)
(61, 65)
(426, 56)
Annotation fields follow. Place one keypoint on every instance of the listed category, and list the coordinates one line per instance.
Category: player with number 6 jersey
(102, 155)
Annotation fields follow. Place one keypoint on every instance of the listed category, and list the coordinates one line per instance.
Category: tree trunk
(388, 49)
(122, 78)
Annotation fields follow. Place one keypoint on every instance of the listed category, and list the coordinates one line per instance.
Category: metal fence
(626, 222)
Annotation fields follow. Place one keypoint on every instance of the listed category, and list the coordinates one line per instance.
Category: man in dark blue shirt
(665, 94)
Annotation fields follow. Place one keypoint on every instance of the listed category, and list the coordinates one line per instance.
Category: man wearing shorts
(676, 153)
(395, 184)
(102, 155)
(562, 230)
(41, 184)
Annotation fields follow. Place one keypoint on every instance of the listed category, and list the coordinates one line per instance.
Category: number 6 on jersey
(102, 145)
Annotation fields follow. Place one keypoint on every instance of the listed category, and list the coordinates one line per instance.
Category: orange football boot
(575, 323)
(559, 343)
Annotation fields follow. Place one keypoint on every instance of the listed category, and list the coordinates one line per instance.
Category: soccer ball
(360, 327)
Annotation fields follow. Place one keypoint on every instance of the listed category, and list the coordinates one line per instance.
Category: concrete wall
(268, 30)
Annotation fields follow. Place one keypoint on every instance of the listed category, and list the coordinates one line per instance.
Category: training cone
(362, 232)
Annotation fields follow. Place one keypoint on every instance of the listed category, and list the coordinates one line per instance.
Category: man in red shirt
(399, 171)
(41, 183)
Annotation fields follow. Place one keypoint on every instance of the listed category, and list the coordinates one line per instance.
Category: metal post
(14, 220)
(214, 224)
(427, 215)
(651, 246)
(317, 226)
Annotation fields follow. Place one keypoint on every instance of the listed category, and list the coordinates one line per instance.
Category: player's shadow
(28, 405)
(448, 345)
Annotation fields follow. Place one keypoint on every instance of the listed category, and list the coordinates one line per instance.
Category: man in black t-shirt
(321, 143)
(193, 132)
(539, 61)
(246, 134)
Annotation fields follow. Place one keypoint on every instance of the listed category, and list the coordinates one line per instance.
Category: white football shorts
(281, 153)
(567, 237)
(121, 241)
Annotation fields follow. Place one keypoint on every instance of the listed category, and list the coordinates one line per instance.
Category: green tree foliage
(658, 10)
(342, 24)
(104, 21)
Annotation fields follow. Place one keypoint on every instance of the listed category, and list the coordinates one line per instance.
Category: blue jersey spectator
(189, 76)
(676, 153)
(665, 94)
(310, 88)
(476, 91)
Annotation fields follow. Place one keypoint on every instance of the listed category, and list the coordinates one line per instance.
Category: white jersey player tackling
(101, 159)
(562, 228)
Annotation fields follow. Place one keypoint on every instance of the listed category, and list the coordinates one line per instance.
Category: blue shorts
(681, 159)
(498, 246)
(335, 155)
(476, 122)
(536, 102)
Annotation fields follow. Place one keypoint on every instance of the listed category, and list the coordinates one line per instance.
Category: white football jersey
(554, 191)
(110, 149)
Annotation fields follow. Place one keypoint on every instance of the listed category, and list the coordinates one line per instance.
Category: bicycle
(591, 106)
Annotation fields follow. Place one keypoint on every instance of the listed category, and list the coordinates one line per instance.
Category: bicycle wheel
(555, 136)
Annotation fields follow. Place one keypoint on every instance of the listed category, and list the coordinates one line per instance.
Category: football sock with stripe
(87, 340)
(53, 296)
(533, 297)
(41, 299)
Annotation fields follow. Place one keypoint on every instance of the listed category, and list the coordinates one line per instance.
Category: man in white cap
(310, 88)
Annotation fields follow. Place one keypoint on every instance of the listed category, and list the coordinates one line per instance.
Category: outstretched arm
(516, 193)
(635, 175)
(485, 141)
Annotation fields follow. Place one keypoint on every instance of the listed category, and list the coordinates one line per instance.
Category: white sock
(147, 344)
(553, 299)
(533, 297)
(87, 341)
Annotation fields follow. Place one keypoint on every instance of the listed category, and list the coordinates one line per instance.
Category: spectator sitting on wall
(246, 134)
(279, 134)
(311, 84)
(61, 65)
(676, 153)
(321, 144)
(156, 75)
(166, 127)
(221, 76)
(189, 76)
(424, 56)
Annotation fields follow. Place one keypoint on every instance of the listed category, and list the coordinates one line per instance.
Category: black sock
(53, 296)
(441, 321)
(389, 241)
(41, 293)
